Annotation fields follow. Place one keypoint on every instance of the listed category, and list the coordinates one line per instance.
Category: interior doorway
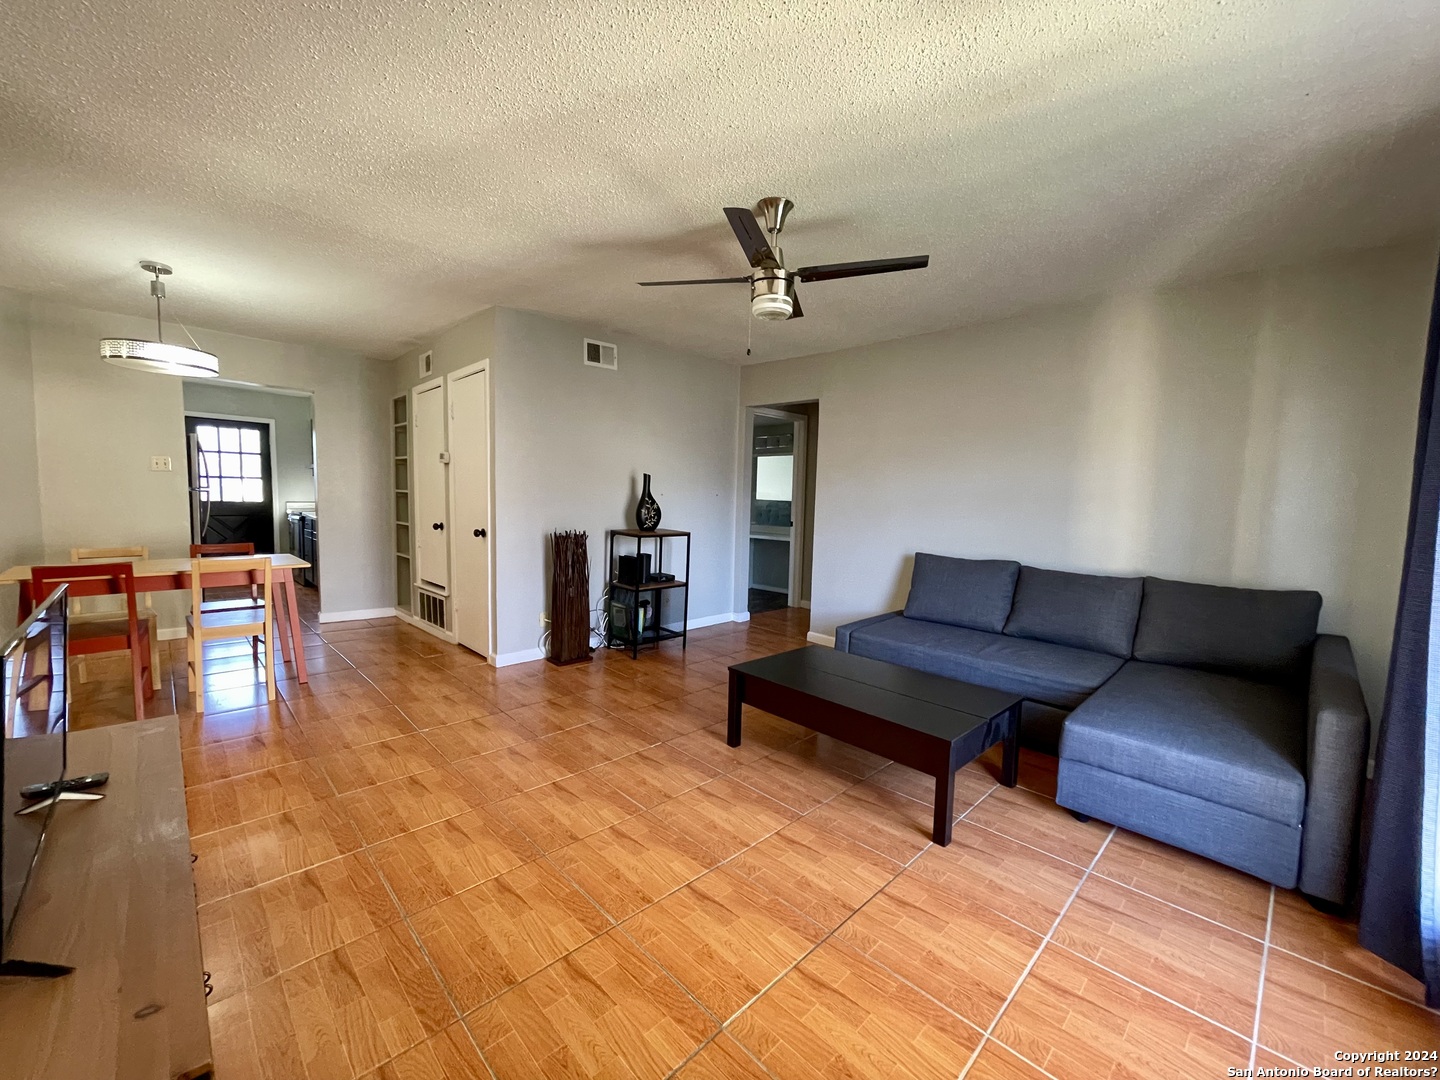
(252, 477)
(781, 478)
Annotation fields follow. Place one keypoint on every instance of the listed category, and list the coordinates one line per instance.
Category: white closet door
(432, 552)
(470, 475)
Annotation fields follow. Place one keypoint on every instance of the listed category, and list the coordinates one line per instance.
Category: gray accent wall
(20, 532)
(1250, 430)
(97, 426)
(570, 444)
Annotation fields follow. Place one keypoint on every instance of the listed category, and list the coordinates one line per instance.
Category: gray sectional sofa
(1214, 719)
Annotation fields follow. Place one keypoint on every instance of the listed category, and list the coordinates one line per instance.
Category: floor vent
(430, 608)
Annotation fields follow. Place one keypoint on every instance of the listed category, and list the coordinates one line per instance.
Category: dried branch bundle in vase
(569, 598)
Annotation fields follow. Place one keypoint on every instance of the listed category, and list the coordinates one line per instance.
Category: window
(232, 463)
(774, 475)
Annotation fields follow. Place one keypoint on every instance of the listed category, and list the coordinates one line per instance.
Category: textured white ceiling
(362, 174)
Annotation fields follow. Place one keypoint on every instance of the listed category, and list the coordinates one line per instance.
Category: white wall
(97, 427)
(1252, 430)
(20, 532)
(293, 470)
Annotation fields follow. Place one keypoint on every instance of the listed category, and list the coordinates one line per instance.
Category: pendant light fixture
(158, 355)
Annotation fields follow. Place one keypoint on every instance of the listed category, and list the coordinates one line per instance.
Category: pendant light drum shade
(159, 357)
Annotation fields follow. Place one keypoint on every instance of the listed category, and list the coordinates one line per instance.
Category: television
(33, 684)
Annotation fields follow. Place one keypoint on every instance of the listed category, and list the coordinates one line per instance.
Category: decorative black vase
(647, 510)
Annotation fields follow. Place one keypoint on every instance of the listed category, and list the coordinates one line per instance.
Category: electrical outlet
(159, 463)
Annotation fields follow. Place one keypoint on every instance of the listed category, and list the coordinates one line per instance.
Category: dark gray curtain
(1399, 908)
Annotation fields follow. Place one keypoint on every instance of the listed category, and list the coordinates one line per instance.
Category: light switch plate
(159, 463)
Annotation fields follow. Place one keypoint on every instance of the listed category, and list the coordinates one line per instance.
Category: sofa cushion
(1257, 633)
(1051, 674)
(962, 592)
(1231, 741)
(1085, 611)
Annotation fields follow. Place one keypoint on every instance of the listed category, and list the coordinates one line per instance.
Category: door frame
(450, 379)
(797, 487)
(269, 422)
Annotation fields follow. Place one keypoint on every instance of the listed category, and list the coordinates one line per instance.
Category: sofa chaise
(1214, 719)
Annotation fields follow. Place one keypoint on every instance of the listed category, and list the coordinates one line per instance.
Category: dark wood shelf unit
(633, 594)
(651, 586)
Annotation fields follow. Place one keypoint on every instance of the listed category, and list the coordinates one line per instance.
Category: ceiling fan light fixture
(772, 307)
(159, 356)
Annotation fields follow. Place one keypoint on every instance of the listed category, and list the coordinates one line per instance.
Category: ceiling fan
(772, 287)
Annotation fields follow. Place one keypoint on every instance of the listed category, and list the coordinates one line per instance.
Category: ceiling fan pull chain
(749, 334)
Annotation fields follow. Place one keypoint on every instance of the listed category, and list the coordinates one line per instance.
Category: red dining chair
(124, 631)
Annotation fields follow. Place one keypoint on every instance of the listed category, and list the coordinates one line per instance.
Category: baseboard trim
(805, 603)
(429, 628)
(170, 633)
(523, 656)
(358, 615)
(820, 639)
(714, 620)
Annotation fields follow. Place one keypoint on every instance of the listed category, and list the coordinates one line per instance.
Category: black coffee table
(921, 720)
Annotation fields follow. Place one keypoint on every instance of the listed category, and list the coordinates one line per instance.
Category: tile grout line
(1014, 990)
(434, 970)
(365, 847)
(1260, 987)
(830, 934)
(1155, 993)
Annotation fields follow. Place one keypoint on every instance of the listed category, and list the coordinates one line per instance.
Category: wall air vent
(600, 354)
(430, 607)
(425, 364)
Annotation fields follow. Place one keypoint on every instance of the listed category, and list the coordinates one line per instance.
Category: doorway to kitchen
(782, 463)
(251, 463)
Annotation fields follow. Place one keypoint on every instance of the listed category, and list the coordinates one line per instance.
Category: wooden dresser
(113, 895)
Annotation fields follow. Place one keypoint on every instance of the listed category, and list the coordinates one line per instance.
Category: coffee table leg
(944, 807)
(737, 694)
(1010, 763)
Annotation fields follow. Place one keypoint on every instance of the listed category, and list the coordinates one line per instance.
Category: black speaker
(634, 569)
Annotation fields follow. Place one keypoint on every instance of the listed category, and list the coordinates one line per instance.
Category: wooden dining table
(173, 575)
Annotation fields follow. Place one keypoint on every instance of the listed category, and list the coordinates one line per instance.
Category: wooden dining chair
(218, 625)
(80, 610)
(208, 551)
(121, 630)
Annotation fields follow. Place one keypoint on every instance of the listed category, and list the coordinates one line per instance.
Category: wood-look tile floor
(417, 866)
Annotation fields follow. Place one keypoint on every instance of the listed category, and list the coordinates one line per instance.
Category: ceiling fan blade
(858, 269)
(700, 281)
(796, 312)
(751, 237)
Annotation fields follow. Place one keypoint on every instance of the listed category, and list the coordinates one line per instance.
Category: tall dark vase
(647, 510)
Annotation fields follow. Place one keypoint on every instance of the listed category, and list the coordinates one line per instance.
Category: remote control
(79, 783)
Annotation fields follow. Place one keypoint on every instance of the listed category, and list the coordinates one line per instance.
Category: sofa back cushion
(1262, 634)
(974, 593)
(1085, 611)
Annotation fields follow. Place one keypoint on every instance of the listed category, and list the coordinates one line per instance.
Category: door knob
(438, 526)
(480, 532)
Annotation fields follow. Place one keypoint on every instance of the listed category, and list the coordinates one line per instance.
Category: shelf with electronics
(641, 589)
